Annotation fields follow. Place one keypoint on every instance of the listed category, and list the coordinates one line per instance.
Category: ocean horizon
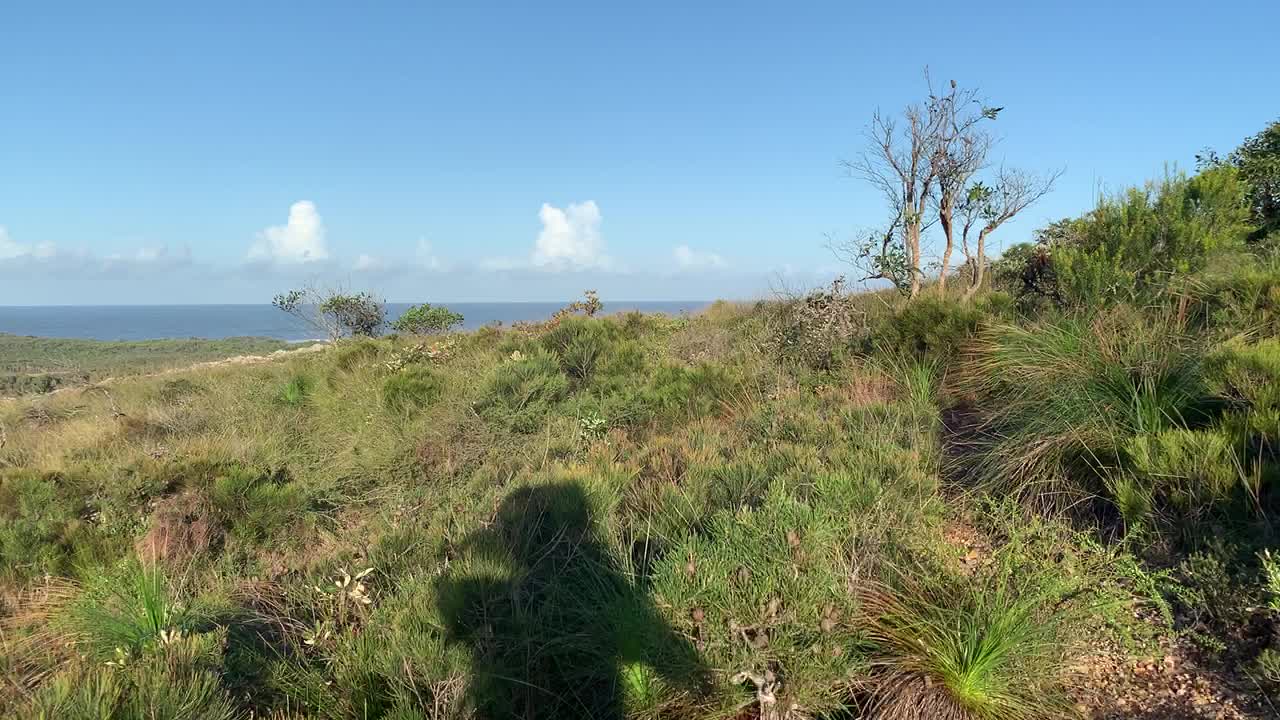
(168, 322)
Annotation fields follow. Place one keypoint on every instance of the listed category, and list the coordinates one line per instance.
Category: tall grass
(1062, 401)
(966, 649)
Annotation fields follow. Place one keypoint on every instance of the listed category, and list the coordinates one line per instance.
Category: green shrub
(425, 319)
(176, 391)
(677, 393)
(931, 327)
(522, 391)
(178, 680)
(338, 314)
(580, 344)
(411, 390)
(1192, 468)
(1239, 294)
(127, 614)
(1132, 244)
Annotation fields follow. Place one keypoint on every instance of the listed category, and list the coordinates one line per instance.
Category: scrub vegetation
(934, 503)
(32, 365)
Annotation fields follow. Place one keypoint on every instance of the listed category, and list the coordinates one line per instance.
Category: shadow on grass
(556, 629)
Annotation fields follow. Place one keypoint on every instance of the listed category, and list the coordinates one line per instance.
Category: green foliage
(426, 319)
(257, 506)
(131, 613)
(34, 365)
(589, 306)
(358, 314)
(760, 589)
(355, 353)
(177, 680)
(1241, 295)
(1258, 162)
(1133, 243)
(986, 647)
(338, 314)
(521, 391)
(1192, 468)
(411, 390)
(1270, 579)
(680, 393)
(931, 327)
(580, 343)
(46, 526)
(1065, 401)
(295, 391)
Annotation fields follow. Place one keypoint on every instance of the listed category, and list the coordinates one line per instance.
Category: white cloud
(687, 257)
(298, 241)
(152, 255)
(11, 249)
(368, 263)
(570, 237)
(427, 257)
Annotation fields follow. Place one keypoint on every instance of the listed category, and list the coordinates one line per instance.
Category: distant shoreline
(134, 323)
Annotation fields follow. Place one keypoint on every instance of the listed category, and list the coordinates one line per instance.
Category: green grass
(621, 517)
(959, 648)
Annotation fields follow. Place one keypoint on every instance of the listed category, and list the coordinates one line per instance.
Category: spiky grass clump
(1062, 401)
(947, 649)
(295, 392)
(129, 613)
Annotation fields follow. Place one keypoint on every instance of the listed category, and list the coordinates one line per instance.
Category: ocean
(153, 322)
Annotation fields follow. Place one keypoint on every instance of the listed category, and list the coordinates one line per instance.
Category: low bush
(580, 344)
(256, 506)
(817, 330)
(427, 320)
(522, 391)
(179, 679)
(931, 327)
(411, 390)
(1131, 244)
(355, 353)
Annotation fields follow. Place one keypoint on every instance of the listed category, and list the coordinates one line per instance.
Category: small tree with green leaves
(426, 319)
(335, 313)
(1258, 160)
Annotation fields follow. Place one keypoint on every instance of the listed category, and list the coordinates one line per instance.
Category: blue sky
(525, 151)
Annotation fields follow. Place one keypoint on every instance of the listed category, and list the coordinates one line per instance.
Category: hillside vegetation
(1053, 499)
(37, 365)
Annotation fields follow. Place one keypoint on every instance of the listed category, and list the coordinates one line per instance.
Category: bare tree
(877, 254)
(960, 149)
(1012, 192)
(899, 163)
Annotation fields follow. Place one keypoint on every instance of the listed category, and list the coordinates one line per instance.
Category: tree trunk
(979, 264)
(913, 259)
(944, 217)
